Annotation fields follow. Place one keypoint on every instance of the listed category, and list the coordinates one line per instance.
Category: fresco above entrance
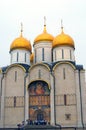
(38, 88)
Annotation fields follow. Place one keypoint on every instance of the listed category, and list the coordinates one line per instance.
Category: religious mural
(39, 100)
(38, 88)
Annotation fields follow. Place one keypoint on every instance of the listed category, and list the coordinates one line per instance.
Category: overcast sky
(31, 13)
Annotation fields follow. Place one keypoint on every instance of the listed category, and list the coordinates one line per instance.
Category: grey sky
(31, 13)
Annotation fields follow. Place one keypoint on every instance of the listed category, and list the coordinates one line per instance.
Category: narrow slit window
(25, 57)
(15, 101)
(15, 76)
(42, 54)
(39, 73)
(11, 57)
(64, 75)
(62, 54)
(55, 55)
(17, 56)
(70, 55)
(35, 56)
(65, 99)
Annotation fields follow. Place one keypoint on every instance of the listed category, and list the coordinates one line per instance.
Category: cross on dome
(44, 25)
(21, 29)
(62, 25)
(44, 21)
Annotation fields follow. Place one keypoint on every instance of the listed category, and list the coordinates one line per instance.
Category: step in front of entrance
(41, 127)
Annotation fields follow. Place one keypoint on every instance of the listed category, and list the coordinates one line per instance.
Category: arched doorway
(39, 115)
(39, 101)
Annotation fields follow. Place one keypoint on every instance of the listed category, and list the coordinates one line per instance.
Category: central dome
(63, 39)
(44, 36)
(20, 43)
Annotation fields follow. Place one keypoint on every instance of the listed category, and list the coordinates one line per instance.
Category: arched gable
(65, 79)
(39, 72)
(41, 64)
(59, 63)
(15, 65)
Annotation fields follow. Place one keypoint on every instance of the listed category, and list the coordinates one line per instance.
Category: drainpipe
(81, 99)
(25, 95)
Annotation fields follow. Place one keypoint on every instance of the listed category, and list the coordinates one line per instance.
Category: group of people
(21, 126)
(37, 122)
(31, 122)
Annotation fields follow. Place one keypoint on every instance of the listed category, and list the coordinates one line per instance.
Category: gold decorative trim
(13, 65)
(39, 64)
(63, 63)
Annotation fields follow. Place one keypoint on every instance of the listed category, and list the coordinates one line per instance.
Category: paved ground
(41, 128)
(73, 129)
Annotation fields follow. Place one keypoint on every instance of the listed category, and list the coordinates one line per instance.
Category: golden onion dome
(21, 43)
(31, 57)
(44, 36)
(63, 39)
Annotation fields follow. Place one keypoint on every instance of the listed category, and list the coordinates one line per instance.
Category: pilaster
(78, 101)
(52, 100)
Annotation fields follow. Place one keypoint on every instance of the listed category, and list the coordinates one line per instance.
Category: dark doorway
(40, 116)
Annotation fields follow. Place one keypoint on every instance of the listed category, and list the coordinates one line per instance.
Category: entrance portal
(39, 101)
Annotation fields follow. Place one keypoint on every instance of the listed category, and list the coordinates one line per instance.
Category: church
(43, 84)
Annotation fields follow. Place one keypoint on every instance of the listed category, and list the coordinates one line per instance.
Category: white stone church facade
(45, 84)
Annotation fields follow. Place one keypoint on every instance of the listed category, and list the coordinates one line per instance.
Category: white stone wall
(79, 124)
(0, 100)
(44, 73)
(18, 56)
(63, 53)
(47, 52)
(13, 115)
(81, 98)
(65, 86)
(61, 112)
(13, 87)
(0, 82)
(83, 95)
(66, 83)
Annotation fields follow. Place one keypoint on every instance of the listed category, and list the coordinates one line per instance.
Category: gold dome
(21, 43)
(44, 36)
(63, 39)
(31, 57)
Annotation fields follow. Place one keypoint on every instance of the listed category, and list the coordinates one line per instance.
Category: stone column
(83, 94)
(2, 103)
(52, 100)
(26, 98)
(26, 104)
(78, 102)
